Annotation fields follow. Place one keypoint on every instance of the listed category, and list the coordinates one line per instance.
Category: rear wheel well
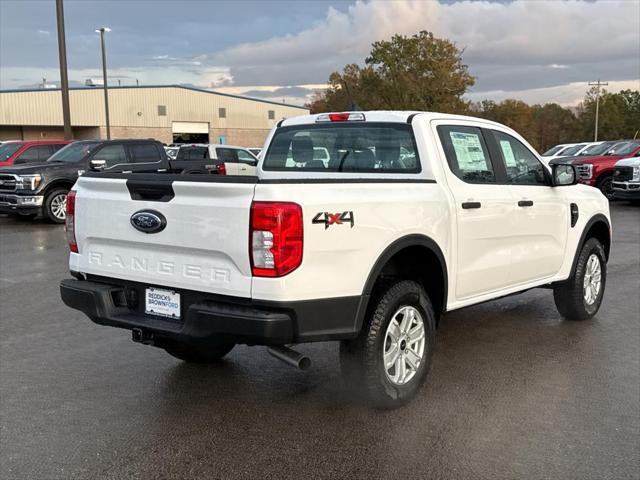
(421, 264)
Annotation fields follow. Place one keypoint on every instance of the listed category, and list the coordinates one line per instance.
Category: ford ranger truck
(413, 215)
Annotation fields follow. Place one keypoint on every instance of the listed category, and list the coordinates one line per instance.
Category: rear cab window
(36, 153)
(367, 147)
(193, 153)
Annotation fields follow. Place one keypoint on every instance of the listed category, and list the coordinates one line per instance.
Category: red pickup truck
(597, 171)
(15, 152)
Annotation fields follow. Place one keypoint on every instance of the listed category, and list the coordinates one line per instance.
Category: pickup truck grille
(8, 183)
(584, 171)
(623, 174)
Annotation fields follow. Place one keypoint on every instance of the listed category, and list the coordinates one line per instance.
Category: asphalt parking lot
(514, 392)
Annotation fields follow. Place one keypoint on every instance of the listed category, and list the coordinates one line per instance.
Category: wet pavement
(514, 391)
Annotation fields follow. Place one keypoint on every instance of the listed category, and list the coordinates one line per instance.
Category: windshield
(8, 149)
(372, 147)
(73, 152)
(553, 151)
(597, 149)
(623, 148)
(569, 152)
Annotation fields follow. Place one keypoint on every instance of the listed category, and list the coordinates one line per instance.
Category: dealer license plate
(162, 302)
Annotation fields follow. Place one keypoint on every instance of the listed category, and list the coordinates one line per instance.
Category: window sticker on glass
(468, 151)
(507, 153)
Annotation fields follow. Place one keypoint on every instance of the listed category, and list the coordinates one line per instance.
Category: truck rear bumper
(120, 304)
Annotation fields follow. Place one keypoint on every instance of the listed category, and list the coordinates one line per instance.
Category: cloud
(545, 38)
(169, 74)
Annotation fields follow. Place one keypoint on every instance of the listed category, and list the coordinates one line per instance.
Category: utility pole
(101, 31)
(597, 84)
(64, 79)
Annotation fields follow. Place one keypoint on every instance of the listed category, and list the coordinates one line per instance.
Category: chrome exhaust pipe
(290, 357)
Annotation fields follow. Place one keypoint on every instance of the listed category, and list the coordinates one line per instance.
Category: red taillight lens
(275, 238)
(338, 117)
(221, 169)
(70, 221)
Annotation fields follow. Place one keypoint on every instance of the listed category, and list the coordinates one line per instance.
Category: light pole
(64, 79)
(101, 31)
(597, 84)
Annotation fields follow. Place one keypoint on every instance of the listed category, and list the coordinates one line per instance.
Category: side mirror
(564, 174)
(18, 161)
(97, 165)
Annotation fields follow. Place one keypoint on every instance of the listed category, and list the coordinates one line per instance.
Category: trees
(420, 72)
(425, 73)
(619, 115)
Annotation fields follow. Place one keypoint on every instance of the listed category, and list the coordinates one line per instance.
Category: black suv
(30, 189)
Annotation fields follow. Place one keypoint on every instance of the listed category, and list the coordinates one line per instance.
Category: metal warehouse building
(167, 113)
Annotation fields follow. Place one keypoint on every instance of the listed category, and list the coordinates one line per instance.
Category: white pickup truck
(414, 214)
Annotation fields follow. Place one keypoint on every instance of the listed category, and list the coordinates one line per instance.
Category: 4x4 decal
(328, 219)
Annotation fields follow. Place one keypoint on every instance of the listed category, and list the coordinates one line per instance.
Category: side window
(521, 165)
(227, 155)
(246, 157)
(144, 153)
(467, 153)
(112, 154)
(58, 146)
(34, 154)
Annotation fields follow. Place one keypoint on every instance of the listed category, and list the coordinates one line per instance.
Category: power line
(597, 84)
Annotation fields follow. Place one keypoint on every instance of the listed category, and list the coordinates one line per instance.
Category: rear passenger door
(541, 217)
(483, 208)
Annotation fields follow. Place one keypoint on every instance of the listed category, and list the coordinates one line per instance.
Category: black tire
(362, 359)
(210, 352)
(50, 205)
(605, 184)
(569, 296)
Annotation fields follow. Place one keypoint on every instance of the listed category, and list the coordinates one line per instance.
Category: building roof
(185, 87)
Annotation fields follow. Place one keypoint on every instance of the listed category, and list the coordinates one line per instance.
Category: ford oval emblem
(148, 221)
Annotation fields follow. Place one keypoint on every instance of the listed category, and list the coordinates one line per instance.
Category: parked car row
(596, 164)
(36, 175)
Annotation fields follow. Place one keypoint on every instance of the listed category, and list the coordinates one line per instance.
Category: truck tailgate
(203, 247)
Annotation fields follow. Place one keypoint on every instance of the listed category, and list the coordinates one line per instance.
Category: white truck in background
(414, 214)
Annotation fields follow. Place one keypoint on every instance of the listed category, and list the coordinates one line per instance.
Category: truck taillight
(276, 238)
(70, 221)
(341, 117)
(221, 169)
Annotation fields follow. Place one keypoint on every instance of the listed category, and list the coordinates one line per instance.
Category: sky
(535, 50)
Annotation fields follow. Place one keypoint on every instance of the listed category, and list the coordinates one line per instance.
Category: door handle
(525, 203)
(468, 205)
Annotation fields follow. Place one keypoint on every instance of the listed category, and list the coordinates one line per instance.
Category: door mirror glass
(564, 174)
(97, 165)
